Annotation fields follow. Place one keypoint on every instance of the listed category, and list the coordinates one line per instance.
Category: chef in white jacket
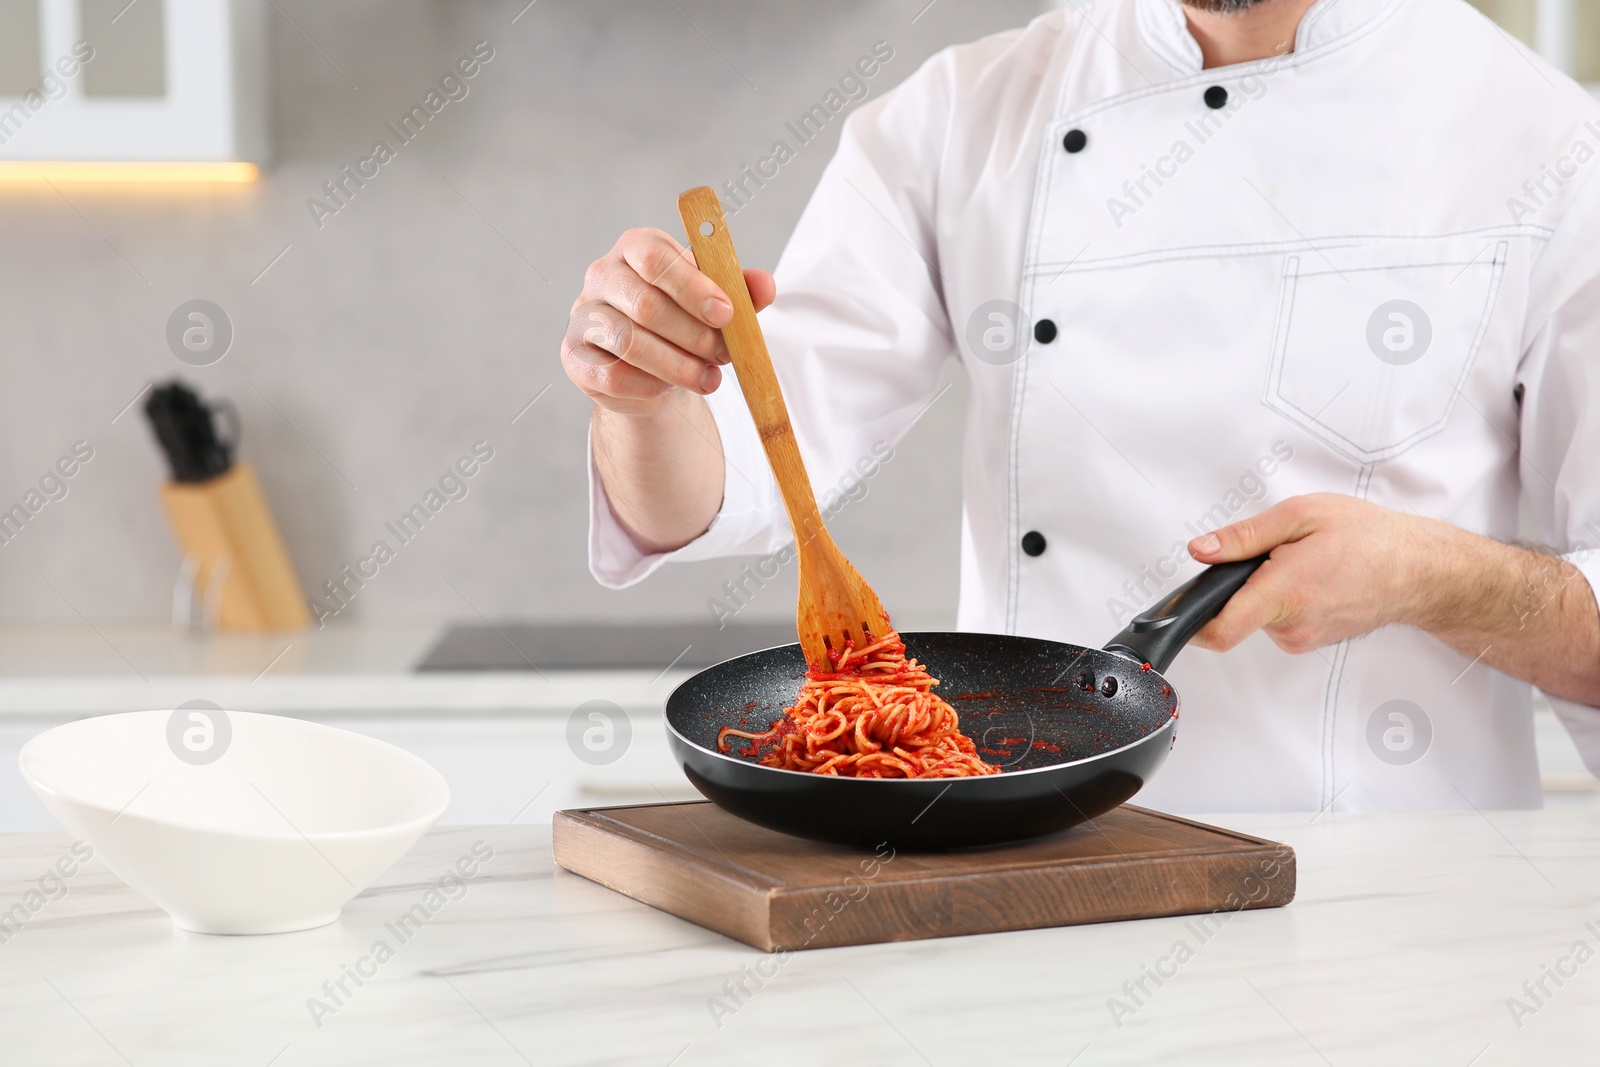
(1227, 277)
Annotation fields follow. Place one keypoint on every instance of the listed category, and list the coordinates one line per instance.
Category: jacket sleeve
(1560, 433)
(858, 333)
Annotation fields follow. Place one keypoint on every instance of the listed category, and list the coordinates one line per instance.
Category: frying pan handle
(1158, 634)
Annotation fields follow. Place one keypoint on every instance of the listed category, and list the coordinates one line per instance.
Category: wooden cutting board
(778, 892)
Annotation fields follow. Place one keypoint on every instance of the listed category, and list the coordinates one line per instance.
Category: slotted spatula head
(837, 608)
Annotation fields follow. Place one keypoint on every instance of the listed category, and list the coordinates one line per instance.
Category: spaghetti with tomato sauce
(874, 715)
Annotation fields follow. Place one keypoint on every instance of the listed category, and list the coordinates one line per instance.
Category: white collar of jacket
(1165, 30)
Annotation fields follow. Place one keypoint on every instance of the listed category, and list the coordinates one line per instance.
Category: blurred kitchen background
(374, 346)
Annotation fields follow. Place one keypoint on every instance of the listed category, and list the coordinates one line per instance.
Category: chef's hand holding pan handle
(1158, 634)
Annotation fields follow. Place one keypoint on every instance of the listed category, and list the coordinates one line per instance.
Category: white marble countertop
(1410, 937)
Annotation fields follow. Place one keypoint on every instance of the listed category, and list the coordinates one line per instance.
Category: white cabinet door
(146, 81)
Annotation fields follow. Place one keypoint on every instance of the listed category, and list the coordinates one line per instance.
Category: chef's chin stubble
(1222, 7)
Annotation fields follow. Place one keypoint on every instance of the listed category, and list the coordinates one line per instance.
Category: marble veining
(1411, 941)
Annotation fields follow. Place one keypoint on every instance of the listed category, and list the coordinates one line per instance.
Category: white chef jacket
(1374, 269)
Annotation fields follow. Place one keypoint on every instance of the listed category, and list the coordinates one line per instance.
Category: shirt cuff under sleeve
(750, 521)
(1581, 720)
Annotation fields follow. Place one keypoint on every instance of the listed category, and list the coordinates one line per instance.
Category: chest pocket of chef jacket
(1372, 345)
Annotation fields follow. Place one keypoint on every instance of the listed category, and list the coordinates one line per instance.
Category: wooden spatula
(836, 606)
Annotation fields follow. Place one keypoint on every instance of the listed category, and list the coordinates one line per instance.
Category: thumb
(1256, 535)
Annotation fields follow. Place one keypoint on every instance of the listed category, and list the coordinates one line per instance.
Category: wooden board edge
(601, 820)
(1233, 869)
(1237, 835)
(626, 863)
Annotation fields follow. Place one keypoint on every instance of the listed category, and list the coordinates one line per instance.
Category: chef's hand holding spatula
(644, 341)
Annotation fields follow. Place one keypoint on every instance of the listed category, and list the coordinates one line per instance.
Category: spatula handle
(715, 255)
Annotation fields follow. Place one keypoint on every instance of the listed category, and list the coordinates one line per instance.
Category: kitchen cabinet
(507, 766)
(500, 738)
(110, 82)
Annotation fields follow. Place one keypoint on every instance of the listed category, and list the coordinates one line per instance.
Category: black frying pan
(1077, 731)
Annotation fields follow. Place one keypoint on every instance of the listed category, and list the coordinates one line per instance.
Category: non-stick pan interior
(1027, 703)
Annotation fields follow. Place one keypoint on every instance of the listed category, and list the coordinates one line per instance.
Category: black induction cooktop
(523, 646)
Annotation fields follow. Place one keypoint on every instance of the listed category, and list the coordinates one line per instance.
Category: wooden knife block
(225, 522)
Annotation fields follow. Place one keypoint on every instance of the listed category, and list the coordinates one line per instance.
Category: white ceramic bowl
(235, 822)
